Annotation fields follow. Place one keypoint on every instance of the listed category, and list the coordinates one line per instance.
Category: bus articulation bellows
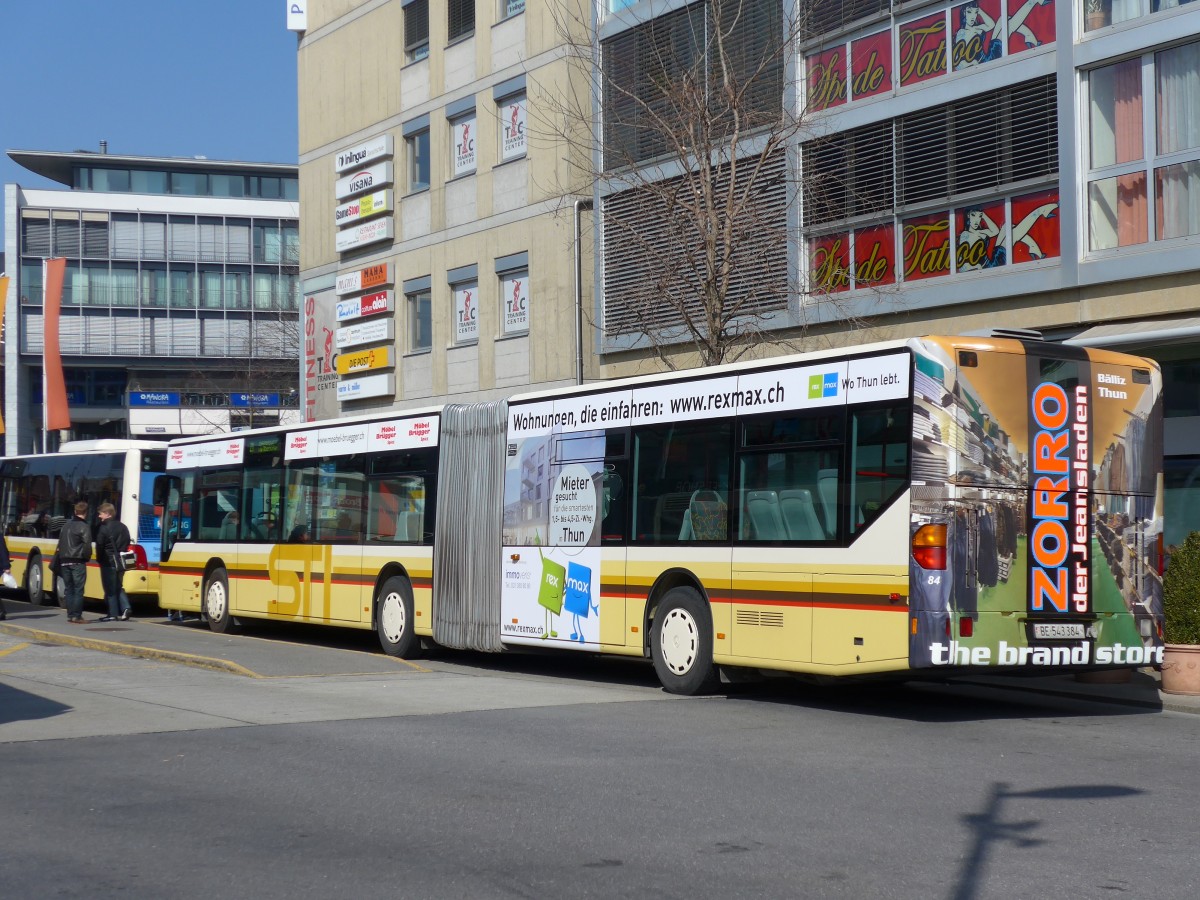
(916, 507)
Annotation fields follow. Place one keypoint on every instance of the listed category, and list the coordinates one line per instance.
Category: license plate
(1057, 630)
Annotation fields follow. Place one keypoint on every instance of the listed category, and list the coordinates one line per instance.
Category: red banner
(57, 414)
(871, 65)
(827, 79)
(875, 256)
(922, 49)
(1035, 227)
(981, 240)
(927, 246)
(1031, 25)
(830, 263)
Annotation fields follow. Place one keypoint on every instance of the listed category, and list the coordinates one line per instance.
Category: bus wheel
(681, 643)
(394, 619)
(216, 601)
(33, 580)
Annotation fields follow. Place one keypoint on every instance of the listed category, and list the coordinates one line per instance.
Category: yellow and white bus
(918, 506)
(38, 494)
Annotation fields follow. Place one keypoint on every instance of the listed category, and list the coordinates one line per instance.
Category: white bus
(924, 505)
(38, 494)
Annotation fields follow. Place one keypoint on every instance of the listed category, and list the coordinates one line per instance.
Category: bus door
(316, 569)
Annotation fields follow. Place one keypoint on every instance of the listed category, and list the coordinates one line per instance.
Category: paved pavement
(192, 644)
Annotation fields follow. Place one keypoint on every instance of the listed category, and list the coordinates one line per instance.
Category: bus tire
(34, 587)
(216, 601)
(681, 643)
(394, 619)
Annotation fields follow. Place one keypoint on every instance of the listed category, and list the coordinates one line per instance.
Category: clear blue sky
(213, 78)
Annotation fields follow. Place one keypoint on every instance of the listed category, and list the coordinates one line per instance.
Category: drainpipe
(580, 205)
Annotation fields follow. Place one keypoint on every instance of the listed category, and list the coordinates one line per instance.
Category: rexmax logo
(823, 385)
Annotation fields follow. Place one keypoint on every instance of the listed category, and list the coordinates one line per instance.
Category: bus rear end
(1037, 507)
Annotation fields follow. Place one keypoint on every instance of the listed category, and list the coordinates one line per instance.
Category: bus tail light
(139, 556)
(966, 627)
(1162, 556)
(929, 546)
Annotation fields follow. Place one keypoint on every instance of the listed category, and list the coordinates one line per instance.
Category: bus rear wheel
(681, 643)
(216, 601)
(394, 619)
(33, 580)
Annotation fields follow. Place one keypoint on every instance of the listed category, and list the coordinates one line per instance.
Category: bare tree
(688, 127)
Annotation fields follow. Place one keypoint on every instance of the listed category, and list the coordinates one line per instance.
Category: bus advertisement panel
(1042, 463)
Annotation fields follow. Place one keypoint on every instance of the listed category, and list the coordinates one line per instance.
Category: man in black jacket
(74, 551)
(112, 539)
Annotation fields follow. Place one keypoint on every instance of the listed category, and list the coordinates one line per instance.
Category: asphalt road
(479, 777)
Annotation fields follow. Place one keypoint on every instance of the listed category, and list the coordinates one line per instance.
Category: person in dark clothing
(112, 539)
(74, 551)
(5, 571)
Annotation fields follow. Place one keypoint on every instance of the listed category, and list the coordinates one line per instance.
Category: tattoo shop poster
(551, 562)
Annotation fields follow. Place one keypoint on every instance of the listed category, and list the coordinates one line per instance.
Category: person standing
(112, 539)
(74, 551)
(5, 571)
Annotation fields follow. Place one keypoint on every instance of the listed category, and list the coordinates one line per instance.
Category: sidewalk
(193, 644)
(152, 637)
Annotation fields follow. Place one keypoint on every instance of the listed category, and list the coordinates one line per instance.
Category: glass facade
(136, 260)
(186, 182)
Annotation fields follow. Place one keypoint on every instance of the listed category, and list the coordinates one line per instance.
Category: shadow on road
(20, 706)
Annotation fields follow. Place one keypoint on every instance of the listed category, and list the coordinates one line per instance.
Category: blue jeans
(74, 578)
(114, 592)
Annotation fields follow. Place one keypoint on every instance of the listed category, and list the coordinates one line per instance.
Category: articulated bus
(38, 495)
(914, 508)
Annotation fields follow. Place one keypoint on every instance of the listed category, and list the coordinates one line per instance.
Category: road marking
(14, 649)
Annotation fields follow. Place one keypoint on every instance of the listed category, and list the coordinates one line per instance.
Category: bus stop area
(193, 644)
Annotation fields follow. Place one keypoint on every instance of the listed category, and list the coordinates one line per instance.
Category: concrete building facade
(437, 245)
(180, 297)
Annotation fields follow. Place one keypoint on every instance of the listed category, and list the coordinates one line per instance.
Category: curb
(131, 650)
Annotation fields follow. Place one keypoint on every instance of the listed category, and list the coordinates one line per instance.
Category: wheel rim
(35, 579)
(214, 601)
(679, 640)
(392, 619)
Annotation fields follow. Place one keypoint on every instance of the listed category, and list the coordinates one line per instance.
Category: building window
(642, 65)
(1123, 169)
(418, 161)
(1102, 13)
(461, 19)
(420, 321)
(462, 146)
(514, 301)
(513, 139)
(465, 306)
(416, 30)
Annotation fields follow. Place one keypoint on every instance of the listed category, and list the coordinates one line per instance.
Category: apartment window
(417, 299)
(465, 307)
(1102, 13)
(512, 272)
(513, 132)
(417, 145)
(416, 30)
(420, 321)
(463, 144)
(1137, 146)
(461, 19)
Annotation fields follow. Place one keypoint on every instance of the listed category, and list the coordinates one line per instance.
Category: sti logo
(822, 386)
